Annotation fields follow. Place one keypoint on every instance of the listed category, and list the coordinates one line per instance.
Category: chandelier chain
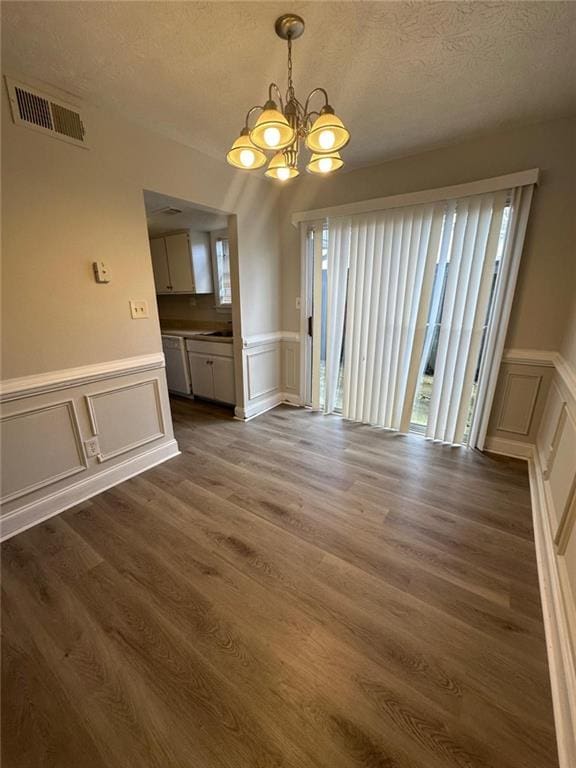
(290, 93)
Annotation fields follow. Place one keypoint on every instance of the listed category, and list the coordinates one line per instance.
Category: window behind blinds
(223, 271)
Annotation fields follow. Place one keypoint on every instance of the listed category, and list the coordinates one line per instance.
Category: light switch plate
(138, 309)
(101, 272)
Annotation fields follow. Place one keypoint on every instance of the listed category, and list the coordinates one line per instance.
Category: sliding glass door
(403, 303)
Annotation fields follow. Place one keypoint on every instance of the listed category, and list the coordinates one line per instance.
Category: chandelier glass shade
(244, 154)
(323, 164)
(279, 168)
(272, 131)
(285, 126)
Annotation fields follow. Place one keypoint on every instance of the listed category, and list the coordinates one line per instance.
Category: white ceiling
(404, 76)
(192, 217)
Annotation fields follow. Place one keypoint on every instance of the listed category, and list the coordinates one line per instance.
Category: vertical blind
(393, 277)
(386, 258)
(476, 225)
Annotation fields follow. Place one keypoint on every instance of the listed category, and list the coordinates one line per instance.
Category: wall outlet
(101, 272)
(92, 447)
(138, 309)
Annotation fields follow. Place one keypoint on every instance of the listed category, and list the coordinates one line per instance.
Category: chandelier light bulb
(327, 139)
(325, 164)
(247, 158)
(283, 173)
(272, 137)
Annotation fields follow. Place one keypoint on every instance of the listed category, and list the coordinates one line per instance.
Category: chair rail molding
(38, 384)
(542, 357)
(272, 337)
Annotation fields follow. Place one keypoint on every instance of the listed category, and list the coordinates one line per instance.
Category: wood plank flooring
(295, 592)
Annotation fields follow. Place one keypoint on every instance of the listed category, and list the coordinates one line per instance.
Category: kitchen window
(221, 259)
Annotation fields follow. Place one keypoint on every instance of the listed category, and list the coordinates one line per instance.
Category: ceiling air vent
(42, 112)
(167, 211)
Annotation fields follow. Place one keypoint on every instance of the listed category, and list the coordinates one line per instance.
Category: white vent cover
(169, 211)
(42, 112)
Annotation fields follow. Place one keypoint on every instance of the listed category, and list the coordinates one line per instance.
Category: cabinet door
(180, 263)
(201, 373)
(201, 262)
(224, 389)
(160, 265)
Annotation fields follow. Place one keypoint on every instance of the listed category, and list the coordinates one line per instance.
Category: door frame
(310, 298)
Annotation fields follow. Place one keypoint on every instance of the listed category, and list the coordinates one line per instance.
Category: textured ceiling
(191, 217)
(404, 76)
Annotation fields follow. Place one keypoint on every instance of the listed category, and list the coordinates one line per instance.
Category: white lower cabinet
(223, 373)
(202, 376)
(212, 371)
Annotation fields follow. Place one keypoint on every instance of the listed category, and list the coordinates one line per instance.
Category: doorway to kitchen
(191, 249)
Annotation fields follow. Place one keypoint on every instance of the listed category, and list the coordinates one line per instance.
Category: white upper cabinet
(160, 265)
(181, 263)
(179, 256)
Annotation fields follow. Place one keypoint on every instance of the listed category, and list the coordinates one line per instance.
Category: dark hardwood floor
(294, 592)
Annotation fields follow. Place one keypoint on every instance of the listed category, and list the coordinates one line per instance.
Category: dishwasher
(177, 369)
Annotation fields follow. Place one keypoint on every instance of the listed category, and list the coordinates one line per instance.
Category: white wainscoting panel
(126, 417)
(263, 370)
(518, 403)
(549, 445)
(40, 446)
(553, 484)
(289, 368)
(47, 421)
(547, 438)
(271, 372)
(520, 398)
(561, 471)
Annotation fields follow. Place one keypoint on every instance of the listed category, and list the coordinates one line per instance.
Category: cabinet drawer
(223, 349)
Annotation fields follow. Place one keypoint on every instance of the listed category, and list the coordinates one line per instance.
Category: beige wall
(545, 284)
(568, 348)
(64, 207)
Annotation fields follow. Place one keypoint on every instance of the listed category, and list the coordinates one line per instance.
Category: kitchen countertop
(198, 334)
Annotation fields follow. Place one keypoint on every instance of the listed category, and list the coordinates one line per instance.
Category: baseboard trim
(258, 408)
(267, 404)
(516, 449)
(42, 509)
(291, 399)
(557, 622)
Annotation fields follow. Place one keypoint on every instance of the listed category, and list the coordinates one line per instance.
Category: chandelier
(283, 126)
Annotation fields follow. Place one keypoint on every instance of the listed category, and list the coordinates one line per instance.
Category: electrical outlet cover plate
(92, 447)
(138, 309)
